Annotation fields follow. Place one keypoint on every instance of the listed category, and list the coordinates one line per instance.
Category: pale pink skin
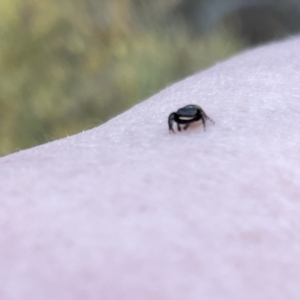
(127, 211)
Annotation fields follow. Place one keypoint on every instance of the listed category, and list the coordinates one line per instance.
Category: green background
(67, 66)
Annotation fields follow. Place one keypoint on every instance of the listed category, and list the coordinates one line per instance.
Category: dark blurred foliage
(253, 21)
(67, 66)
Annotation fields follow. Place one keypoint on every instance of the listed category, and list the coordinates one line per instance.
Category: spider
(187, 115)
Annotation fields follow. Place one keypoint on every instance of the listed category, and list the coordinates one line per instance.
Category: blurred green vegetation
(66, 66)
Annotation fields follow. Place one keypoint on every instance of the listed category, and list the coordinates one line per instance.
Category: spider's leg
(207, 117)
(203, 121)
(186, 126)
(210, 119)
(170, 122)
(178, 127)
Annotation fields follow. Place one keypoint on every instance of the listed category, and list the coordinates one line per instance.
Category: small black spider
(187, 115)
